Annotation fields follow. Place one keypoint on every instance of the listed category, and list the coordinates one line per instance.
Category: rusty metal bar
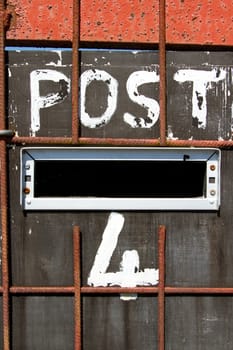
(83, 290)
(3, 187)
(41, 290)
(77, 288)
(200, 143)
(75, 71)
(85, 141)
(161, 288)
(41, 140)
(5, 269)
(120, 142)
(118, 290)
(162, 69)
(198, 290)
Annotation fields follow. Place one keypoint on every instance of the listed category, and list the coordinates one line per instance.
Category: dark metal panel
(110, 323)
(40, 322)
(203, 322)
(199, 246)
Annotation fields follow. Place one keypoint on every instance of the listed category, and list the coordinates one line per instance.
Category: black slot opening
(113, 178)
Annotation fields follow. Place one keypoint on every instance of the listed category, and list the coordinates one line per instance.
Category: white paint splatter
(58, 62)
(170, 134)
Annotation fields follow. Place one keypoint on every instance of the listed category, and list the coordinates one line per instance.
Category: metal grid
(77, 290)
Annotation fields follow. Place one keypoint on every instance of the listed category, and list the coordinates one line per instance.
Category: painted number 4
(130, 274)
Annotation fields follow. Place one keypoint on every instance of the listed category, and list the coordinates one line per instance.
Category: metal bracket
(6, 133)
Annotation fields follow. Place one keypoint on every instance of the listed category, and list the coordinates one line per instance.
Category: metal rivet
(212, 167)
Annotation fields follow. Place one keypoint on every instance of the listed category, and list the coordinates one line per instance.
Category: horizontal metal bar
(85, 141)
(84, 290)
(42, 290)
(121, 142)
(118, 290)
(198, 290)
(41, 140)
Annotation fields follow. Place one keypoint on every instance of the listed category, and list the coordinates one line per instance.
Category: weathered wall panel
(188, 22)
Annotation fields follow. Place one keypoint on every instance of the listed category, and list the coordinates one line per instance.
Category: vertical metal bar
(3, 188)
(162, 68)
(161, 288)
(77, 288)
(75, 71)
(5, 272)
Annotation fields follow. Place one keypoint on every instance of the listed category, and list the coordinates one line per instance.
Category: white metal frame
(209, 201)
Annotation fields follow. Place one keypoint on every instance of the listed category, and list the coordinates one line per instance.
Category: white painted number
(130, 274)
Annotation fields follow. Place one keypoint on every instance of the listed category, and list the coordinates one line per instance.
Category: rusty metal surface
(188, 22)
(202, 22)
(41, 20)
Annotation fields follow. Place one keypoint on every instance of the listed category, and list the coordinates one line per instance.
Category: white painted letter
(135, 80)
(37, 101)
(86, 79)
(201, 80)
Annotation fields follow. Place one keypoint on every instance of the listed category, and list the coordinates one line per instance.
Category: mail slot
(120, 179)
